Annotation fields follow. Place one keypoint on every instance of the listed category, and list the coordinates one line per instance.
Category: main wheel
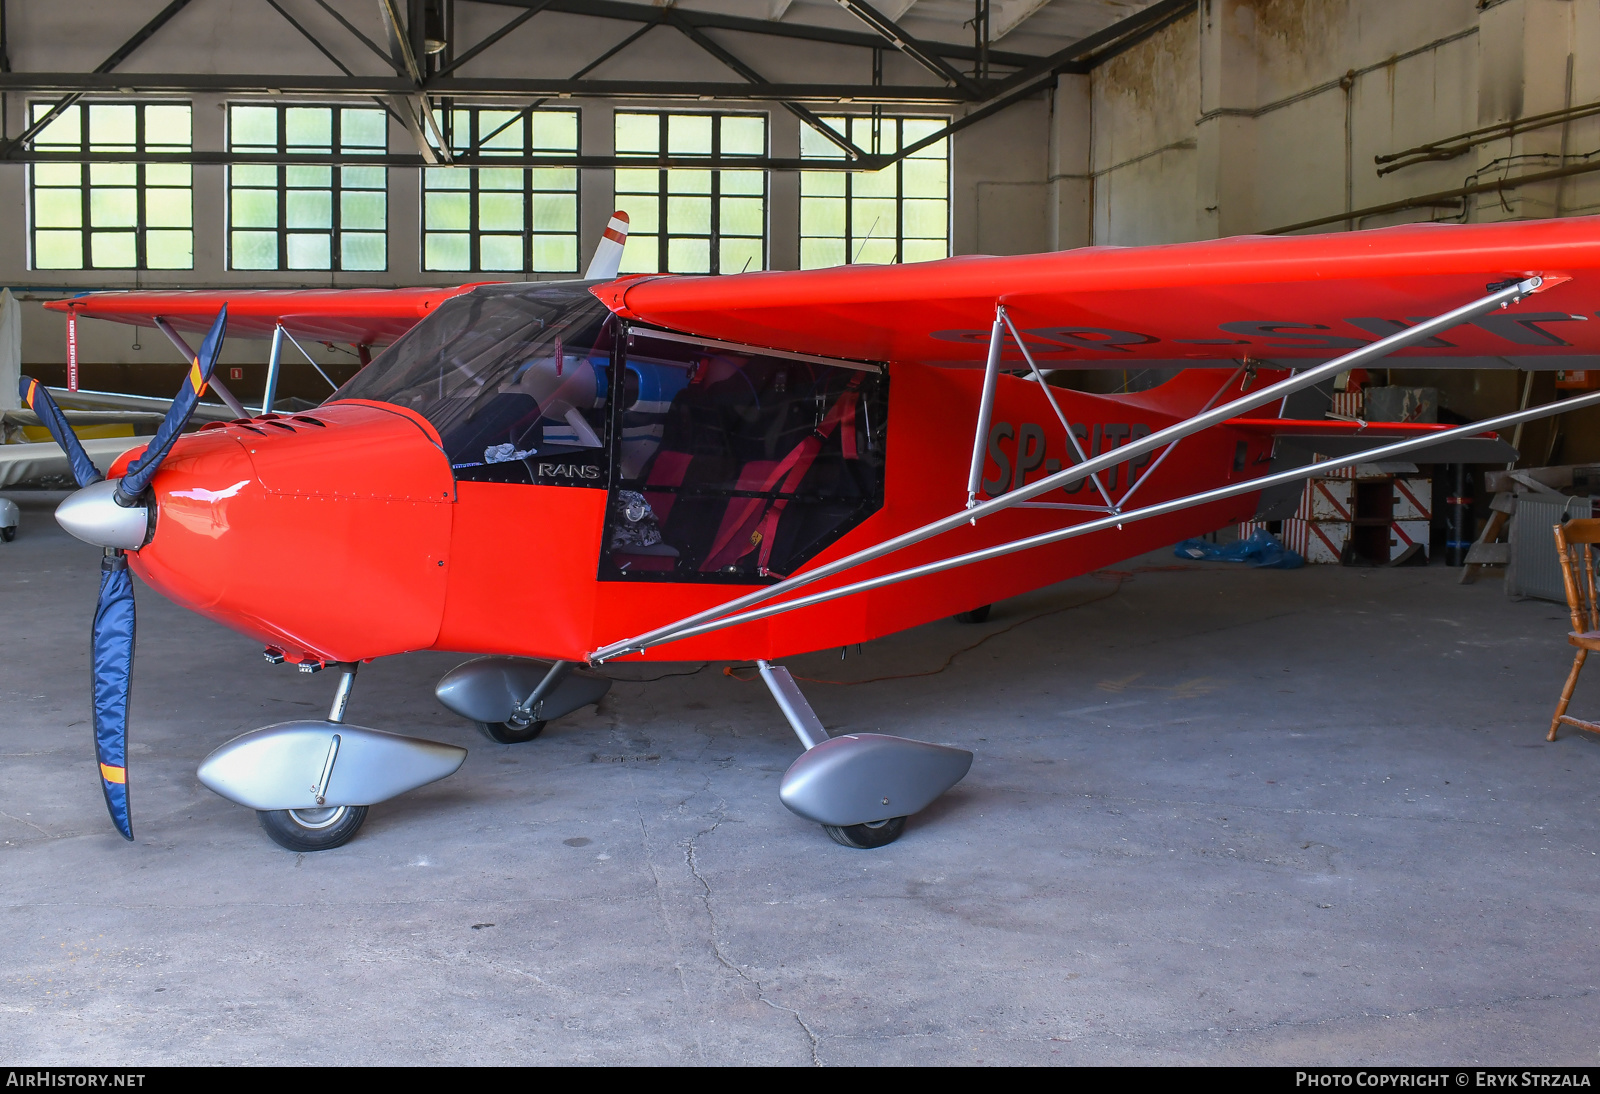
(976, 615)
(865, 836)
(312, 829)
(8, 533)
(509, 733)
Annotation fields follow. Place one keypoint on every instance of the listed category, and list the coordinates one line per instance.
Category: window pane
(363, 178)
(361, 129)
(446, 211)
(874, 218)
(255, 209)
(688, 182)
(167, 174)
(501, 178)
(924, 178)
(643, 215)
(57, 174)
(509, 139)
(446, 252)
(113, 209)
(447, 178)
(362, 209)
(58, 208)
(633, 181)
(319, 177)
(926, 219)
(565, 178)
(253, 175)
(555, 213)
(875, 251)
(166, 125)
(556, 130)
(65, 129)
(167, 208)
(308, 209)
(924, 250)
(816, 253)
(873, 184)
(169, 250)
(500, 213)
(308, 127)
(253, 125)
(742, 216)
(500, 252)
(917, 128)
(254, 250)
(559, 254)
(813, 143)
(113, 174)
(744, 136)
(689, 255)
(309, 252)
(819, 183)
(638, 254)
(744, 182)
(689, 134)
(58, 250)
(688, 215)
(638, 133)
(363, 251)
(113, 250)
(112, 124)
(739, 255)
(822, 217)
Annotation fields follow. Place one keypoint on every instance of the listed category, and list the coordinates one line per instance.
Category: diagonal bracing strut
(1500, 298)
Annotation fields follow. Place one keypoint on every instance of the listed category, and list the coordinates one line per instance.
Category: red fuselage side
(350, 539)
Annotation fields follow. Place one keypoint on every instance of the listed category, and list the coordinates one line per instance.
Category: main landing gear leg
(327, 826)
(860, 787)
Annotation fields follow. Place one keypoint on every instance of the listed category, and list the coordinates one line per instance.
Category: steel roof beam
(891, 32)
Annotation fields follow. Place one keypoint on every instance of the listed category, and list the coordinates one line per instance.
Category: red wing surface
(1264, 297)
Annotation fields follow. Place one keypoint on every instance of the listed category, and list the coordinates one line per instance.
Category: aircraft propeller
(115, 514)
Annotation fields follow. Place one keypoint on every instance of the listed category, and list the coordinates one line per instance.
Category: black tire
(312, 829)
(976, 615)
(866, 836)
(505, 733)
(8, 534)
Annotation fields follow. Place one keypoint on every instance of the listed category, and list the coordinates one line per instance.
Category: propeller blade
(112, 652)
(38, 399)
(142, 470)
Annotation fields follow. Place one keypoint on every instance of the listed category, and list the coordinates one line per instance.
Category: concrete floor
(1216, 816)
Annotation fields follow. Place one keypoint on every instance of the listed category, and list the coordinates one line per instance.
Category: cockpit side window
(735, 465)
(514, 378)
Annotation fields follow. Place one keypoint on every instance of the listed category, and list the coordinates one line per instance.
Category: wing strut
(1116, 520)
(1499, 298)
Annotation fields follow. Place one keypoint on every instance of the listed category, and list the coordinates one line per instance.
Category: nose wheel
(867, 836)
(510, 733)
(313, 829)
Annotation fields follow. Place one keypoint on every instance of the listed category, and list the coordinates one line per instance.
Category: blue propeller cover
(142, 470)
(112, 653)
(37, 399)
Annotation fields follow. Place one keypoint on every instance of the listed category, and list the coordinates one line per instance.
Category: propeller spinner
(115, 514)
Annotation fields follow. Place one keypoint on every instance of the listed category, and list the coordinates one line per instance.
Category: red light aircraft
(556, 475)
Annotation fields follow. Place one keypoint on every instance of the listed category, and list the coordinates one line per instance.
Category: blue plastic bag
(1261, 550)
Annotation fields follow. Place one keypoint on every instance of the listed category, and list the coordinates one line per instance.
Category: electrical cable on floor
(663, 676)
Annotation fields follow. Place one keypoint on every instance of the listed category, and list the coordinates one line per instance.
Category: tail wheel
(509, 733)
(312, 829)
(976, 615)
(866, 836)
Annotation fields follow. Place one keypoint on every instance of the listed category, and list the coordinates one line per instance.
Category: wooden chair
(1574, 543)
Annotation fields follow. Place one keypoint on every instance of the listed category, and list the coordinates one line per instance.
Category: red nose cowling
(325, 535)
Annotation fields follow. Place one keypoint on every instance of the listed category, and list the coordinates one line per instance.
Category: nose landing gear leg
(860, 787)
(325, 827)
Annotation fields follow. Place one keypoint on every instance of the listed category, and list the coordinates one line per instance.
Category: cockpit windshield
(514, 378)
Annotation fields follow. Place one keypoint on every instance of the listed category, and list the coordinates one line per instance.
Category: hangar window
(684, 220)
(898, 214)
(307, 216)
(510, 218)
(112, 215)
(735, 464)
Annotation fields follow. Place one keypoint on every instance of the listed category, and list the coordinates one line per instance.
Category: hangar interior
(1218, 814)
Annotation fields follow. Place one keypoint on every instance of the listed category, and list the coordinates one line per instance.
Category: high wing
(357, 316)
(1267, 298)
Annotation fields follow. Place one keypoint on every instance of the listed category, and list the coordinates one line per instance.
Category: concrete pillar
(1225, 134)
(1071, 209)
